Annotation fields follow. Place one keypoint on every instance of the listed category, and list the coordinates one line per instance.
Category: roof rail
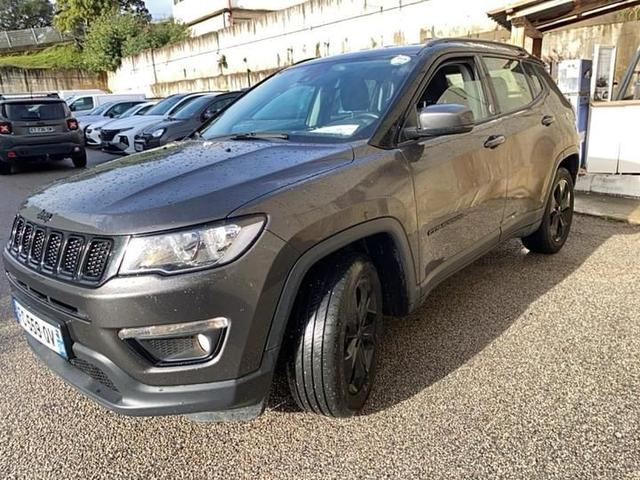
(6, 96)
(521, 51)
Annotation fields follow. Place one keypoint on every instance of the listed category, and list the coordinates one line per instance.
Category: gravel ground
(520, 366)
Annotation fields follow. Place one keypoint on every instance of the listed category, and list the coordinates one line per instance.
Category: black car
(336, 192)
(38, 127)
(185, 121)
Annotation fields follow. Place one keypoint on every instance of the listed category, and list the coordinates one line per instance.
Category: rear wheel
(80, 159)
(5, 168)
(338, 318)
(556, 223)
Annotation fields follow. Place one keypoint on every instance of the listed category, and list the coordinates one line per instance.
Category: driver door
(460, 180)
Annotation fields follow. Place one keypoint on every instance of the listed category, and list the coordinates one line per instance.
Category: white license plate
(138, 147)
(41, 129)
(46, 333)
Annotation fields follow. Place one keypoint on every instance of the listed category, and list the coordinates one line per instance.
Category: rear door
(37, 119)
(530, 145)
(460, 180)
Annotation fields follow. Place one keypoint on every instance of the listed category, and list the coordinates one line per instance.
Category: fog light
(205, 343)
(178, 344)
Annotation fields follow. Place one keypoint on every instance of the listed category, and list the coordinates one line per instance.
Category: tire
(558, 215)
(80, 159)
(5, 168)
(335, 329)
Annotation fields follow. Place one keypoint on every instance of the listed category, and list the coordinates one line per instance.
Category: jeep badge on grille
(45, 216)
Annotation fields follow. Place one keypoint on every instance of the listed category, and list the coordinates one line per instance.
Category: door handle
(548, 120)
(494, 141)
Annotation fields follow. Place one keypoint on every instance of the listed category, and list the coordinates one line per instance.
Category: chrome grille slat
(72, 257)
(25, 241)
(37, 246)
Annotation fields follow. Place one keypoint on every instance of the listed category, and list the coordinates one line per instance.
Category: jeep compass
(337, 191)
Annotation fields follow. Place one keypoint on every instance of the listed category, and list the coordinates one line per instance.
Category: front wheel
(558, 215)
(338, 318)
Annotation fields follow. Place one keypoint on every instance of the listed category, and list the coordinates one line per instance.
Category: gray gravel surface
(520, 366)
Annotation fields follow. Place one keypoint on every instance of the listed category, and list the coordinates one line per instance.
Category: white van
(68, 95)
(83, 104)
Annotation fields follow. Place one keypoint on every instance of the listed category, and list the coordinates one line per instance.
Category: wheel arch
(378, 238)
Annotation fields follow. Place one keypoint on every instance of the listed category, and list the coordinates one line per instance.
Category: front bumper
(245, 291)
(125, 395)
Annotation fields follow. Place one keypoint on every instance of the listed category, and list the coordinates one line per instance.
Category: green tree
(114, 36)
(19, 14)
(77, 15)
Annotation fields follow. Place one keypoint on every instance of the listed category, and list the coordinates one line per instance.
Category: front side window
(457, 82)
(81, 104)
(340, 100)
(509, 82)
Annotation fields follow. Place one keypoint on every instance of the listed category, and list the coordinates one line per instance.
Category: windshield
(190, 109)
(183, 103)
(131, 112)
(34, 111)
(338, 101)
(101, 109)
(162, 107)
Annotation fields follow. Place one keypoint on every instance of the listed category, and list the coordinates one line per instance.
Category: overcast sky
(159, 8)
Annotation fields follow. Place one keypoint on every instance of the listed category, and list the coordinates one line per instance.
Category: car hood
(178, 185)
(90, 119)
(101, 123)
(138, 121)
(165, 123)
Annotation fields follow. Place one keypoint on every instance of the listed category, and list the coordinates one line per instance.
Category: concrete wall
(579, 42)
(17, 80)
(220, 60)
(314, 28)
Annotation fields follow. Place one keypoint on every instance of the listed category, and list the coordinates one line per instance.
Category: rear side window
(25, 112)
(509, 83)
(534, 80)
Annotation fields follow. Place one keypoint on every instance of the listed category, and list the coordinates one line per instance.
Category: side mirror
(73, 107)
(442, 119)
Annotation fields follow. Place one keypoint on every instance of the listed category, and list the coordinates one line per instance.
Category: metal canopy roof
(539, 16)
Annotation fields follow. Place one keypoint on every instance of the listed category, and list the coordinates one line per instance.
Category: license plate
(138, 147)
(41, 129)
(46, 333)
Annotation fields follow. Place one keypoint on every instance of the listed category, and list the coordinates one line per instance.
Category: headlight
(191, 249)
(158, 133)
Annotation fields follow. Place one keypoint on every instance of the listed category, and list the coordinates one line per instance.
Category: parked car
(120, 136)
(335, 192)
(37, 128)
(109, 111)
(92, 132)
(83, 104)
(68, 95)
(184, 121)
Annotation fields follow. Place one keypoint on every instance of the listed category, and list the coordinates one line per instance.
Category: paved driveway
(520, 366)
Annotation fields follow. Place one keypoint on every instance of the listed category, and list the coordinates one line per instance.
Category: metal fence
(31, 37)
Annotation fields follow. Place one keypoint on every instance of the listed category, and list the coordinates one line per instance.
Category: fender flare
(387, 225)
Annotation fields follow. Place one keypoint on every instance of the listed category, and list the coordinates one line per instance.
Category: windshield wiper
(260, 136)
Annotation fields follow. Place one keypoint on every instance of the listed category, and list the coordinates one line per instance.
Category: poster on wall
(604, 67)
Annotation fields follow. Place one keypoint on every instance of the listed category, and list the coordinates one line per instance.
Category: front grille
(70, 256)
(94, 372)
(108, 135)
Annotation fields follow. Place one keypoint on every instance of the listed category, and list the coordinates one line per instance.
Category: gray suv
(335, 192)
(37, 127)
